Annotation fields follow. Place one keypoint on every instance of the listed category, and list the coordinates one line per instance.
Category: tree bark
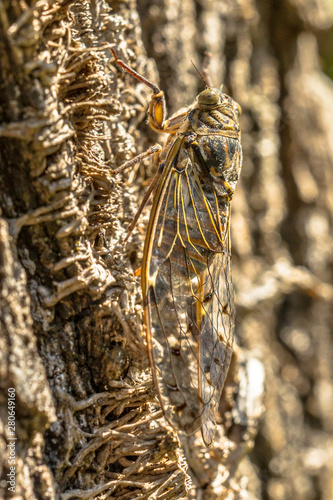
(87, 423)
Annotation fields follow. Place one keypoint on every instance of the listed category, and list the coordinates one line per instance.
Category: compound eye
(208, 97)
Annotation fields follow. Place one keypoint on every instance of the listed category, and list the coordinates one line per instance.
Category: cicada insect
(186, 271)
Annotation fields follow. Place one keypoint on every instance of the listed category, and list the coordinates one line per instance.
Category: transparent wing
(188, 297)
(216, 340)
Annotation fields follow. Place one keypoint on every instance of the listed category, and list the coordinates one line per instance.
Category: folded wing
(188, 298)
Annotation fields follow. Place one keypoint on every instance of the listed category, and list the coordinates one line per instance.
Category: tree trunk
(74, 372)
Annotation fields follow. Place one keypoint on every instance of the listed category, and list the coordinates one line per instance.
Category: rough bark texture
(71, 335)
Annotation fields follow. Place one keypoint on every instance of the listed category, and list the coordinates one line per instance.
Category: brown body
(186, 272)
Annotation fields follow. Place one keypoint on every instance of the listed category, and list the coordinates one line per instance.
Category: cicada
(186, 270)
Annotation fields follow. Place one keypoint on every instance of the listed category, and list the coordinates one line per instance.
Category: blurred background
(276, 60)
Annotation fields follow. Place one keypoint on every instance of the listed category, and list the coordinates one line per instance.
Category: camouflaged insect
(186, 271)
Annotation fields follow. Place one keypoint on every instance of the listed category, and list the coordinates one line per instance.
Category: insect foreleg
(157, 109)
(157, 113)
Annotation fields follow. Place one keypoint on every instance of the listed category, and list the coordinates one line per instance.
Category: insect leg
(137, 159)
(151, 188)
(172, 125)
(157, 109)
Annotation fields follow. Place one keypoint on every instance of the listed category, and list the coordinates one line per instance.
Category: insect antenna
(205, 71)
(200, 74)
